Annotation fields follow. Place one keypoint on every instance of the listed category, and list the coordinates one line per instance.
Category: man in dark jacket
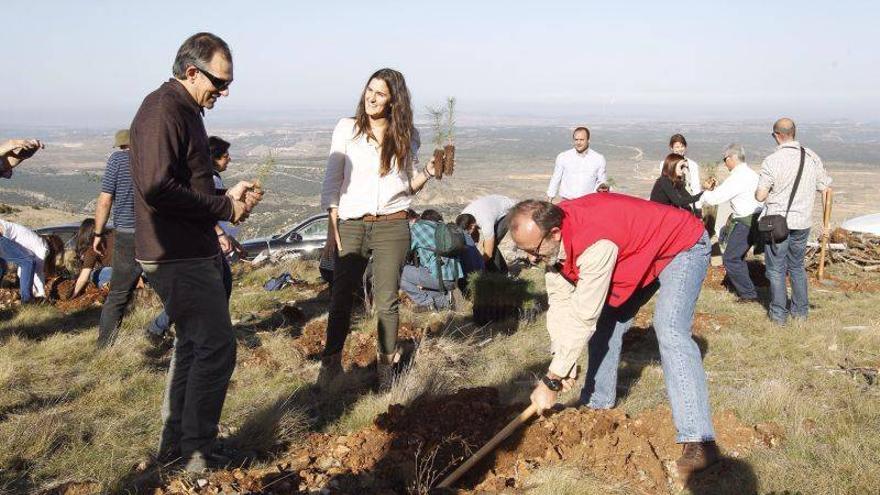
(176, 208)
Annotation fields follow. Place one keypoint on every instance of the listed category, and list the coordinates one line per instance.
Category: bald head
(785, 128)
(524, 231)
(535, 226)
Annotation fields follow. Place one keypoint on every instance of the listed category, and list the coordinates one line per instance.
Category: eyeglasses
(537, 251)
(219, 84)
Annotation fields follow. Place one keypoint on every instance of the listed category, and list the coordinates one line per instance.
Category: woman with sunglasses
(370, 179)
(669, 188)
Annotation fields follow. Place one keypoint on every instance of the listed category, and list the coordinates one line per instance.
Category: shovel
(490, 446)
(495, 441)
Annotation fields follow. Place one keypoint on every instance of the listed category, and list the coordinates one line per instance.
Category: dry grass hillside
(796, 408)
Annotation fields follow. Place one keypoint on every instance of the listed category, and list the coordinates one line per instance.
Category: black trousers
(123, 281)
(204, 352)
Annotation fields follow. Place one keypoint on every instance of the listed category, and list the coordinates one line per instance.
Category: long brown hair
(84, 237)
(400, 125)
(669, 169)
(56, 249)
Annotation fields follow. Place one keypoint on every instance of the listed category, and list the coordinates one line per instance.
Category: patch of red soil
(716, 274)
(416, 446)
(259, 357)
(870, 285)
(360, 347)
(708, 322)
(382, 458)
(640, 451)
(74, 488)
(757, 271)
(60, 291)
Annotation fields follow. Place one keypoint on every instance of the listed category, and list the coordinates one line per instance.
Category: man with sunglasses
(606, 256)
(176, 209)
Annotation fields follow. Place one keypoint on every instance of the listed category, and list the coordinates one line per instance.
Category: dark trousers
(126, 272)
(497, 263)
(162, 323)
(388, 243)
(739, 240)
(204, 352)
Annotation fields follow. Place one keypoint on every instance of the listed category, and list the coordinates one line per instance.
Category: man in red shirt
(606, 255)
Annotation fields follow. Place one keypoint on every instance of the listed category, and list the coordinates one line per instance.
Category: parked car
(307, 238)
(67, 232)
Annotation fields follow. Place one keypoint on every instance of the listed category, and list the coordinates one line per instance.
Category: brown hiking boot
(695, 457)
(385, 364)
(331, 369)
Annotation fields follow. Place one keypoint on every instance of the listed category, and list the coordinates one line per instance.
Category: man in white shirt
(738, 188)
(579, 171)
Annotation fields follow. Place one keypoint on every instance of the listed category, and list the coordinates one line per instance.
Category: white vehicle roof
(869, 224)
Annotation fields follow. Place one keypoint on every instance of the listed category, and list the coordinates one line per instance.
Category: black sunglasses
(219, 84)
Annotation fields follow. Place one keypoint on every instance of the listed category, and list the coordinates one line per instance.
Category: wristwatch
(554, 385)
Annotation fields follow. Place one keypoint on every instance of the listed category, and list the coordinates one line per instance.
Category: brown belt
(400, 215)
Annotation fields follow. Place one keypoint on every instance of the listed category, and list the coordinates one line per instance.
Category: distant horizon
(91, 64)
(485, 114)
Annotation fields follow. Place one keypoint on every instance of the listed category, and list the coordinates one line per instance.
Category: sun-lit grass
(71, 412)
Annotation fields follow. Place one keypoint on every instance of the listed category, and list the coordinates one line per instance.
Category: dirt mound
(639, 451)
(360, 347)
(60, 291)
(411, 448)
(403, 449)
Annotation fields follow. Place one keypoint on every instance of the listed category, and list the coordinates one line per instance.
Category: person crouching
(606, 255)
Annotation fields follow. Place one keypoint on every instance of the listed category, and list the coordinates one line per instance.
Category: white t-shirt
(352, 182)
(32, 243)
(487, 211)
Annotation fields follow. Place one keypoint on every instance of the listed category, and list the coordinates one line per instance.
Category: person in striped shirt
(117, 193)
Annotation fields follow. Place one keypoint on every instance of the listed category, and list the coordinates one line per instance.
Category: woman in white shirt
(368, 186)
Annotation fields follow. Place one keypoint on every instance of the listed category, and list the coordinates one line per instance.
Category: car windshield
(316, 229)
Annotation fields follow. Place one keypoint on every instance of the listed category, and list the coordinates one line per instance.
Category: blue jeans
(788, 258)
(679, 287)
(13, 252)
(738, 243)
(102, 276)
(162, 323)
(422, 287)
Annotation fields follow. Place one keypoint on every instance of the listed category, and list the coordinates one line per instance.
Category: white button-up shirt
(738, 188)
(352, 182)
(577, 174)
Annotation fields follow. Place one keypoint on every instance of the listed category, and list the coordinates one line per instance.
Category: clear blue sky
(92, 62)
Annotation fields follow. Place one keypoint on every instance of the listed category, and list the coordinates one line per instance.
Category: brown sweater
(91, 259)
(175, 205)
